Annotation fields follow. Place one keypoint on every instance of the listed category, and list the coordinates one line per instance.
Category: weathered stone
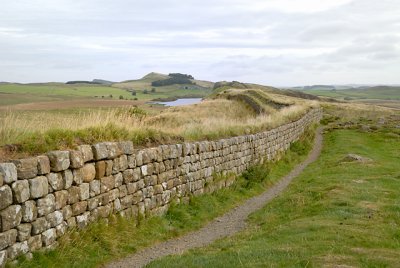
(119, 180)
(3, 258)
(128, 176)
(59, 160)
(84, 191)
(17, 249)
(131, 187)
(93, 203)
(24, 231)
(29, 211)
(73, 195)
(109, 167)
(106, 184)
(113, 150)
(8, 172)
(83, 220)
(55, 218)
(61, 198)
(26, 168)
(89, 172)
(79, 208)
(132, 161)
(43, 165)
(35, 242)
(46, 205)
(38, 187)
(56, 181)
(67, 212)
(117, 205)
(71, 222)
(61, 229)
(68, 178)
(78, 175)
(76, 159)
(49, 237)
(100, 167)
(10, 217)
(144, 170)
(87, 152)
(126, 147)
(94, 188)
(123, 190)
(6, 198)
(100, 151)
(8, 238)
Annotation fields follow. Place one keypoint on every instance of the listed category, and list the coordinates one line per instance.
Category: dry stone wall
(42, 197)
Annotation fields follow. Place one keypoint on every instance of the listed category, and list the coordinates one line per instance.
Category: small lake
(180, 102)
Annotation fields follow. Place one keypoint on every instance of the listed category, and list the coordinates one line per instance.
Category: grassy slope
(100, 243)
(333, 214)
(384, 93)
(26, 93)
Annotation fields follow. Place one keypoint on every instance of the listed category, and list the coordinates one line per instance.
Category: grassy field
(36, 132)
(336, 214)
(11, 94)
(380, 93)
(100, 242)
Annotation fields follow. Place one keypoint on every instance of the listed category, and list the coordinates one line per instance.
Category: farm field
(371, 93)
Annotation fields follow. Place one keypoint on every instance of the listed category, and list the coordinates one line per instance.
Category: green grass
(333, 214)
(100, 243)
(383, 93)
(26, 93)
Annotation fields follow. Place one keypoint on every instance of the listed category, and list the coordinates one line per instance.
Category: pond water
(180, 102)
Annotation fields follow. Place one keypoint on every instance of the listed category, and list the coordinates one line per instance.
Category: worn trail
(225, 225)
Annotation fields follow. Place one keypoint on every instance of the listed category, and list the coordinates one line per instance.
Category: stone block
(38, 187)
(126, 147)
(128, 176)
(89, 172)
(61, 229)
(79, 208)
(87, 152)
(68, 178)
(43, 165)
(100, 167)
(35, 242)
(131, 187)
(100, 151)
(61, 198)
(84, 191)
(67, 212)
(26, 168)
(39, 226)
(24, 232)
(78, 175)
(109, 167)
(83, 220)
(94, 188)
(20, 191)
(29, 211)
(119, 180)
(73, 195)
(76, 159)
(46, 205)
(10, 217)
(3, 258)
(55, 218)
(132, 161)
(56, 181)
(17, 249)
(6, 197)
(113, 150)
(59, 160)
(71, 222)
(49, 237)
(8, 238)
(106, 184)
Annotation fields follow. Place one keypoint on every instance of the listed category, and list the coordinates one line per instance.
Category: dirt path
(225, 225)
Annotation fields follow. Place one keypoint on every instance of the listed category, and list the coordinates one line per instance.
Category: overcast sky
(273, 42)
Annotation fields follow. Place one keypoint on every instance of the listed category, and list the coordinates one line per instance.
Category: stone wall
(42, 197)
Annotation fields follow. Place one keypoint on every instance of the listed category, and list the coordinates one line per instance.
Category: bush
(255, 175)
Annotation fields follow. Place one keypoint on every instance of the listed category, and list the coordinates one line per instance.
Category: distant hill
(103, 82)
